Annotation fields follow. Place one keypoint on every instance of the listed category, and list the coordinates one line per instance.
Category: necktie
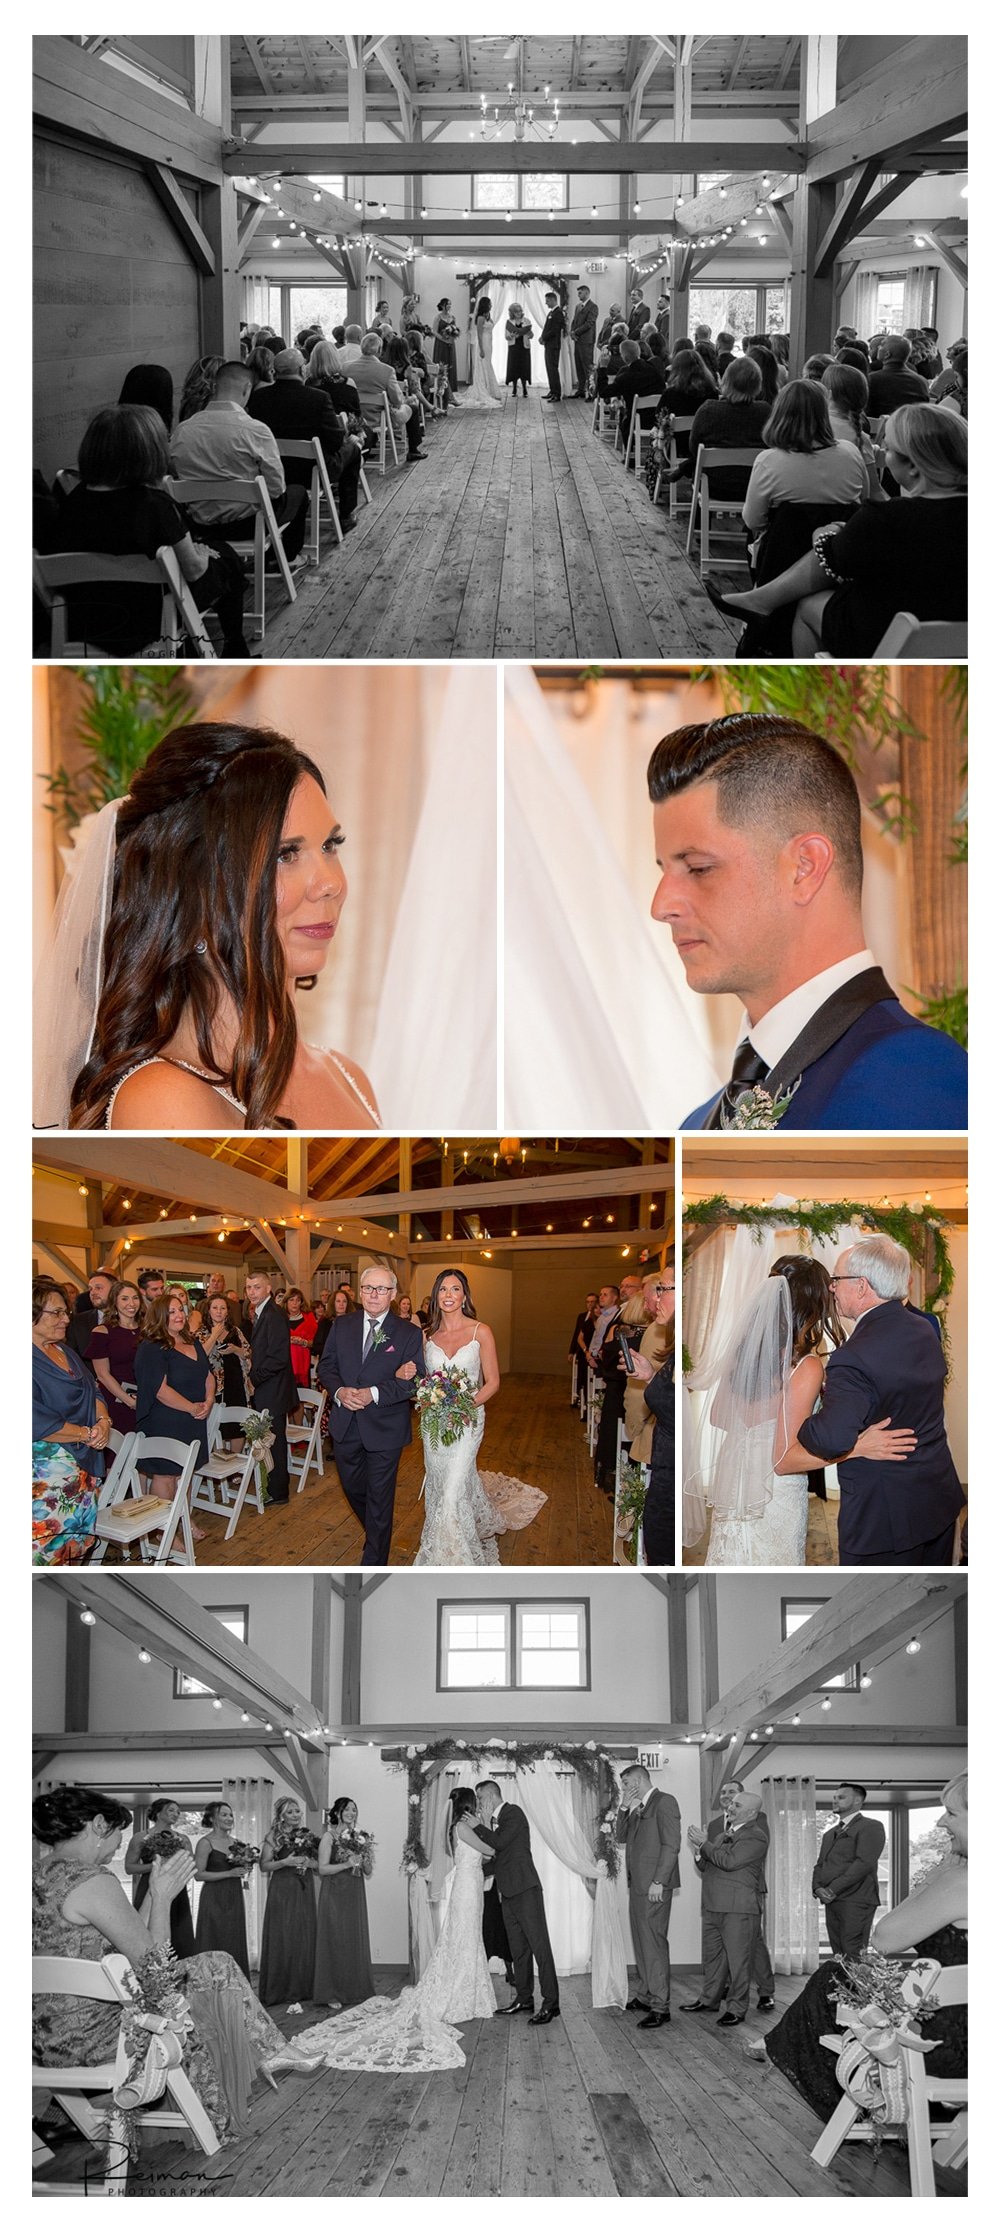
(749, 1069)
(369, 1332)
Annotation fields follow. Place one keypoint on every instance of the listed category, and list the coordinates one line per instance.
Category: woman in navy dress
(112, 1352)
(222, 1921)
(162, 1819)
(175, 1387)
(343, 1974)
(288, 1941)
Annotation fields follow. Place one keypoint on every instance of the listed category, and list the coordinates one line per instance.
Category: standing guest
(638, 314)
(845, 1879)
(343, 1974)
(932, 354)
(725, 351)
(424, 1312)
(150, 1284)
(732, 1876)
(161, 1837)
(944, 381)
(324, 1311)
(288, 1940)
(297, 410)
(301, 1328)
(154, 385)
(112, 1352)
(445, 337)
(656, 1370)
(663, 317)
(583, 334)
(613, 319)
(225, 441)
(175, 1388)
(222, 1921)
(763, 1969)
(579, 1339)
(89, 1310)
(228, 1353)
(610, 1366)
(552, 340)
(273, 1380)
(517, 335)
(404, 1307)
(649, 1827)
(70, 1425)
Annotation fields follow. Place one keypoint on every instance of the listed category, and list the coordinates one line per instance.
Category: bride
(770, 1381)
(415, 2031)
(465, 1511)
(486, 390)
(195, 908)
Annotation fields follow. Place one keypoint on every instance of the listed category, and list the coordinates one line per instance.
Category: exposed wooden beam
(677, 1648)
(77, 1680)
(708, 1614)
(382, 159)
(248, 225)
(847, 217)
(961, 1646)
(922, 94)
(177, 1741)
(155, 1612)
(785, 65)
(319, 1664)
(253, 49)
(387, 62)
(182, 217)
(101, 106)
(738, 61)
(843, 276)
(948, 254)
(855, 1624)
(350, 1683)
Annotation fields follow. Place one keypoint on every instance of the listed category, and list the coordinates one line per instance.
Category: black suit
(520, 1890)
(274, 1387)
(847, 1865)
(295, 411)
(79, 1330)
(551, 340)
(367, 1444)
(899, 1513)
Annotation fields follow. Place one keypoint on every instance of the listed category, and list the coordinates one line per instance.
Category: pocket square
(390, 1349)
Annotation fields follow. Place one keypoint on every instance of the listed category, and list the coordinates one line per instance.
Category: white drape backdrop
(530, 293)
(792, 1913)
(252, 1802)
(595, 1032)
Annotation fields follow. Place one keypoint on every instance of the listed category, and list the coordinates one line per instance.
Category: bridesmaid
(164, 1815)
(221, 1914)
(288, 1941)
(343, 1955)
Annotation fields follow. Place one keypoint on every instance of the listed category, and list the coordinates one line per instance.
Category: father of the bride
(370, 1413)
(898, 1512)
(505, 1829)
(757, 824)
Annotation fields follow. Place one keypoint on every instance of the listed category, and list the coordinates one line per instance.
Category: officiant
(518, 337)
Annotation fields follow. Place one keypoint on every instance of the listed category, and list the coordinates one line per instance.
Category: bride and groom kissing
(874, 1405)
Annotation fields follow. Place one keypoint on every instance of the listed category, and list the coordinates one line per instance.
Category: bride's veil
(743, 1419)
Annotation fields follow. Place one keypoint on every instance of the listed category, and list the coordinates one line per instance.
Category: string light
(914, 1645)
(88, 1619)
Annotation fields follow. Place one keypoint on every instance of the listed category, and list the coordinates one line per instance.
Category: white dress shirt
(373, 1324)
(779, 1027)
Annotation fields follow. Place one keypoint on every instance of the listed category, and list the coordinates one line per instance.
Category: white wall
(907, 1689)
(491, 1293)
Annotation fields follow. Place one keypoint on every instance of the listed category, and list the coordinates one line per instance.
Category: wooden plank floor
(532, 1433)
(520, 536)
(821, 1536)
(589, 2107)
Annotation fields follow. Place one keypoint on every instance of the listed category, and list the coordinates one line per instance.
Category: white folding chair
(945, 2141)
(906, 638)
(57, 572)
(622, 1531)
(115, 1482)
(166, 1516)
(305, 1451)
(386, 438)
(595, 1390)
(224, 1481)
(320, 488)
(648, 405)
(679, 425)
(708, 510)
(73, 2084)
(240, 498)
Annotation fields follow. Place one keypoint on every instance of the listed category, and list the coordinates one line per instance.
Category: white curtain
(792, 1912)
(596, 1035)
(530, 293)
(918, 294)
(252, 1802)
(589, 1924)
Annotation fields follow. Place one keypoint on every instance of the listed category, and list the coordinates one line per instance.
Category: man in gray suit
(845, 1879)
(732, 1876)
(763, 1968)
(649, 1824)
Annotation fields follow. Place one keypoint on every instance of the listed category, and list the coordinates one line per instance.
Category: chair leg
(363, 486)
(245, 1481)
(835, 2132)
(193, 2110)
(705, 558)
(692, 520)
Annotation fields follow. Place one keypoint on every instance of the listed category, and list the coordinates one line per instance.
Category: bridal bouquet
(446, 1405)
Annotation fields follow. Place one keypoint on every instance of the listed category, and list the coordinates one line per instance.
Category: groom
(505, 1829)
(757, 823)
(898, 1512)
(370, 1413)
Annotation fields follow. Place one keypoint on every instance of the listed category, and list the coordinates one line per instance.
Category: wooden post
(645, 1200)
(708, 1608)
(813, 300)
(95, 1221)
(77, 1670)
(680, 300)
(931, 779)
(355, 257)
(319, 1680)
(350, 1687)
(220, 290)
(677, 1644)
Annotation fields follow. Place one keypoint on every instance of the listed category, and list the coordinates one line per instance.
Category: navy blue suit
(367, 1444)
(886, 1071)
(897, 1511)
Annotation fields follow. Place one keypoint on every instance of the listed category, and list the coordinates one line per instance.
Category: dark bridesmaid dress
(343, 1954)
(288, 1941)
(794, 2043)
(181, 1921)
(222, 1921)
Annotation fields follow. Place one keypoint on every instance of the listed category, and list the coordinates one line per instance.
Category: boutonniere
(378, 1337)
(755, 1110)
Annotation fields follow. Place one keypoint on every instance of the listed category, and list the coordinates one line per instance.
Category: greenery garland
(912, 1227)
(428, 1757)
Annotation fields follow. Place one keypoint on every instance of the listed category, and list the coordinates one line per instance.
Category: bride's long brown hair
(193, 915)
(814, 1307)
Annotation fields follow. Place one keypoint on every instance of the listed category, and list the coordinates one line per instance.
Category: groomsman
(551, 338)
(274, 1389)
(845, 1879)
(649, 1824)
(732, 1878)
(583, 334)
(763, 1968)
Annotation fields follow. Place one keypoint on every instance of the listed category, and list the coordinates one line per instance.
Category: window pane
(475, 1647)
(889, 305)
(928, 1845)
(481, 1670)
(316, 306)
(551, 1646)
(560, 1670)
(543, 190)
(775, 314)
(495, 190)
(728, 310)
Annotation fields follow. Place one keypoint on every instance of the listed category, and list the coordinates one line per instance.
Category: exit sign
(599, 265)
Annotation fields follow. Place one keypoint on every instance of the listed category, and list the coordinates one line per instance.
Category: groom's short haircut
(637, 1769)
(488, 1785)
(770, 771)
(884, 1264)
(860, 1791)
(550, 295)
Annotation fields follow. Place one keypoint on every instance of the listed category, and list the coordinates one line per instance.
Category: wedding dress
(486, 392)
(415, 2030)
(467, 1511)
(759, 1518)
(775, 1538)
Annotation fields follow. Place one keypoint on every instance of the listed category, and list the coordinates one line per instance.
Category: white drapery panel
(596, 1035)
(592, 1922)
(792, 1912)
(530, 293)
(252, 1802)
(918, 294)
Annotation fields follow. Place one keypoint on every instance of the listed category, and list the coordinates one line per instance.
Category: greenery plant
(126, 712)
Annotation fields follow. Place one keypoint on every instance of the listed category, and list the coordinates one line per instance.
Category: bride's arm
(805, 1383)
(465, 1832)
(491, 1367)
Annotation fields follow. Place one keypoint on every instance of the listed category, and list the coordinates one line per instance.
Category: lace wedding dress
(415, 2031)
(486, 391)
(467, 1511)
(777, 1537)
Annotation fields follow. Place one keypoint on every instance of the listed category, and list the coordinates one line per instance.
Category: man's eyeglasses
(370, 1288)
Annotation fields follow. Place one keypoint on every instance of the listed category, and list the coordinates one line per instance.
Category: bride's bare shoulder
(161, 1094)
(351, 1081)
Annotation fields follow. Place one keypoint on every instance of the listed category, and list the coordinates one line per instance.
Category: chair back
(309, 451)
(241, 496)
(910, 639)
(56, 572)
(78, 1975)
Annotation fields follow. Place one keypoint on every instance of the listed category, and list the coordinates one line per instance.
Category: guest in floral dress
(69, 1431)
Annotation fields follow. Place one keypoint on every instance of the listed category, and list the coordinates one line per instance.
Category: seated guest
(690, 383)
(725, 346)
(70, 1426)
(733, 420)
(853, 355)
(847, 398)
(152, 385)
(947, 379)
(769, 369)
(909, 556)
(199, 384)
(325, 370)
(895, 382)
(295, 411)
(613, 319)
(227, 442)
(112, 1349)
(260, 363)
(81, 1910)
(815, 366)
(350, 347)
(802, 462)
(396, 354)
(609, 363)
(120, 506)
(376, 382)
(956, 398)
(639, 376)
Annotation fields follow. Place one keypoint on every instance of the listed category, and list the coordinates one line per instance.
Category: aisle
(520, 536)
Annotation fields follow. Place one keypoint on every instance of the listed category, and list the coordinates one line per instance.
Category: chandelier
(520, 113)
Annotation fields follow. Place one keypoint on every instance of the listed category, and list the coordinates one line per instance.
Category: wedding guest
(583, 334)
(112, 1352)
(260, 365)
(221, 1906)
(802, 462)
(956, 398)
(613, 319)
(404, 1307)
(162, 1838)
(153, 385)
(70, 1425)
(655, 1369)
(349, 347)
(288, 1939)
(81, 1911)
(228, 1354)
(274, 1387)
(175, 1388)
(768, 368)
(896, 381)
(325, 370)
(88, 1311)
(847, 395)
(297, 410)
(150, 1284)
(446, 331)
(225, 441)
(302, 1330)
(377, 384)
(324, 1312)
(638, 313)
(639, 376)
(200, 380)
(343, 1973)
(610, 1367)
(579, 1339)
(733, 420)
(725, 351)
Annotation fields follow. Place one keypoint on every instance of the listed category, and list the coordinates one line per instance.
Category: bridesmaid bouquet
(361, 1843)
(301, 1842)
(258, 1431)
(446, 1405)
(165, 1842)
(243, 1857)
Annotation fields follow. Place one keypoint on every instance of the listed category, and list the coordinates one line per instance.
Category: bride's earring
(201, 946)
